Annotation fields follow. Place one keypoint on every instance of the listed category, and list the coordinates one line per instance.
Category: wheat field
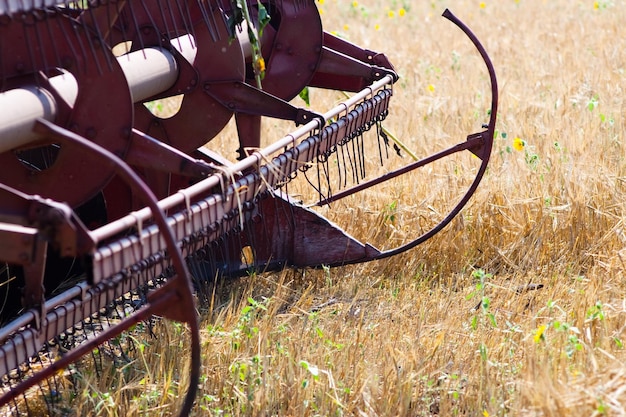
(518, 307)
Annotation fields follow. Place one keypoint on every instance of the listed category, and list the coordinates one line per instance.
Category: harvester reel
(36, 51)
(197, 32)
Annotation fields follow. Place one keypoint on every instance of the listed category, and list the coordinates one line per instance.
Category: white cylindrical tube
(20, 108)
(148, 71)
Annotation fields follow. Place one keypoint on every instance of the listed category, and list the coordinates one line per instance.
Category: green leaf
(312, 369)
(483, 352)
(319, 332)
(264, 18)
(485, 303)
(304, 95)
(234, 20)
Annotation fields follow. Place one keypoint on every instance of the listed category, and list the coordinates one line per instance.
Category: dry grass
(445, 328)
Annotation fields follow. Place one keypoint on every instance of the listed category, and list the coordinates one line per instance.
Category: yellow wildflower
(376, 26)
(401, 12)
(596, 5)
(539, 333)
(346, 27)
(391, 14)
(519, 144)
(355, 3)
(320, 1)
(482, 5)
(259, 66)
(431, 88)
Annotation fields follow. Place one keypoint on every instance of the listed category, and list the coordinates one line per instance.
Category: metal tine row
(114, 308)
(14, 7)
(222, 210)
(19, 343)
(101, 16)
(118, 353)
(38, 19)
(344, 141)
(174, 18)
(221, 213)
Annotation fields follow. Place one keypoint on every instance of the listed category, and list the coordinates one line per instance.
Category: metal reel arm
(480, 144)
(174, 300)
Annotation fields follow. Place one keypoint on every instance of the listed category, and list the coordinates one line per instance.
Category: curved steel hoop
(480, 144)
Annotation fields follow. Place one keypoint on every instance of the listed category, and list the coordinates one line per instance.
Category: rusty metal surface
(102, 111)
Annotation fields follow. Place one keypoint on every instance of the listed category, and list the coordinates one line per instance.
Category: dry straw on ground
(516, 308)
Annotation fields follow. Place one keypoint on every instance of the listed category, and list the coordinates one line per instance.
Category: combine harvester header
(107, 211)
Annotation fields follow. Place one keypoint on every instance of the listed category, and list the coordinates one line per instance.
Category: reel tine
(99, 37)
(82, 49)
(187, 21)
(163, 18)
(215, 25)
(351, 117)
(205, 17)
(66, 36)
(342, 168)
(40, 47)
(133, 16)
(120, 6)
(174, 24)
(54, 45)
(94, 54)
(31, 54)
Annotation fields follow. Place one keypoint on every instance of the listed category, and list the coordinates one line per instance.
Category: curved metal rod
(483, 152)
(138, 186)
